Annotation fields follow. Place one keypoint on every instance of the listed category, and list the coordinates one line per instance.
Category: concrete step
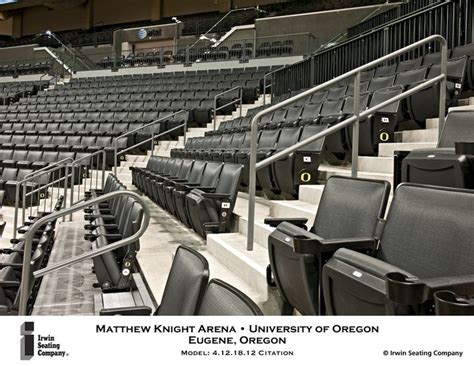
(375, 164)
(432, 123)
(387, 149)
(261, 231)
(346, 171)
(311, 193)
(427, 135)
(231, 251)
(466, 101)
(293, 209)
(262, 207)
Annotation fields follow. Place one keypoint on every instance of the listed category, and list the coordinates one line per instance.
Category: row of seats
(11, 263)
(178, 74)
(16, 165)
(95, 122)
(282, 177)
(188, 291)
(110, 222)
(63, 143)
(25, 68)
(418, 260)
(13, 91)
(201, 194)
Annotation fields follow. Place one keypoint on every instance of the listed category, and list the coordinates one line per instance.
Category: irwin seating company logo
(37, 345)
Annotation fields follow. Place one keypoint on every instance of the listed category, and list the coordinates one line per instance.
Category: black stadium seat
(222, 299)
(348, 215)
(410, 264)
(447, 165)
(210, 208)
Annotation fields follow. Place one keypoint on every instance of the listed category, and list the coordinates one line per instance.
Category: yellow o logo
(305, 177)
(384, 136)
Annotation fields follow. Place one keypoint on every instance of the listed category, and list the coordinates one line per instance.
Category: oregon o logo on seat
(305, 177)
(384, 136)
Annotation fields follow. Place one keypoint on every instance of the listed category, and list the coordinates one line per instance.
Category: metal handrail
(25, 274)
(377, 29)
(354, 120)
(265, 85)
(239, 99)
(28, 177)
(153, 137)
(76, 163)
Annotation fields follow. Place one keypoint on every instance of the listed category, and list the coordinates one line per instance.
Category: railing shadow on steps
(351, 121)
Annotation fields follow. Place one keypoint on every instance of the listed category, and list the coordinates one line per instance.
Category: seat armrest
(297, 221)
(406, 290)
(216, 196)
(313, 244)
(132, 310)
(205, 189)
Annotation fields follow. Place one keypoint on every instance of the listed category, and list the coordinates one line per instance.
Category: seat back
(459, 127)
(350, 207)
(186, 283)
(196, 171)
(229, 181)
(221, 298)
(211, 174)
(429, 242)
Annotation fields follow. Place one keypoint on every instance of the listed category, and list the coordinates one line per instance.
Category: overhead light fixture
(176, 20)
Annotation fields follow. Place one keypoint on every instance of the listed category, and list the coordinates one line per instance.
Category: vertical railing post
(264, 89)
(152, 141)
(15, 218)
(241, 92)
(186, 61)
(66, 183)
(115, 156)
(252, 181)
(215, 113)
(71, 199)
(442, 87)
(185, 130)
(355, 127)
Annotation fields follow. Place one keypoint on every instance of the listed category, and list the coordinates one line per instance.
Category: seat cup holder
(449, 303)
(404, 290)
(464, 148)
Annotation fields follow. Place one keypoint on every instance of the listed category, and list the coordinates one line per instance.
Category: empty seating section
(25, 68)
(12, 91)
(202, 195)
(87, 115)
(306, 117)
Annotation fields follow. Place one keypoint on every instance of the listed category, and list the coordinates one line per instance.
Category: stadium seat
(447, 165)
(348, 215)
(222, 299)
(410, 264)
